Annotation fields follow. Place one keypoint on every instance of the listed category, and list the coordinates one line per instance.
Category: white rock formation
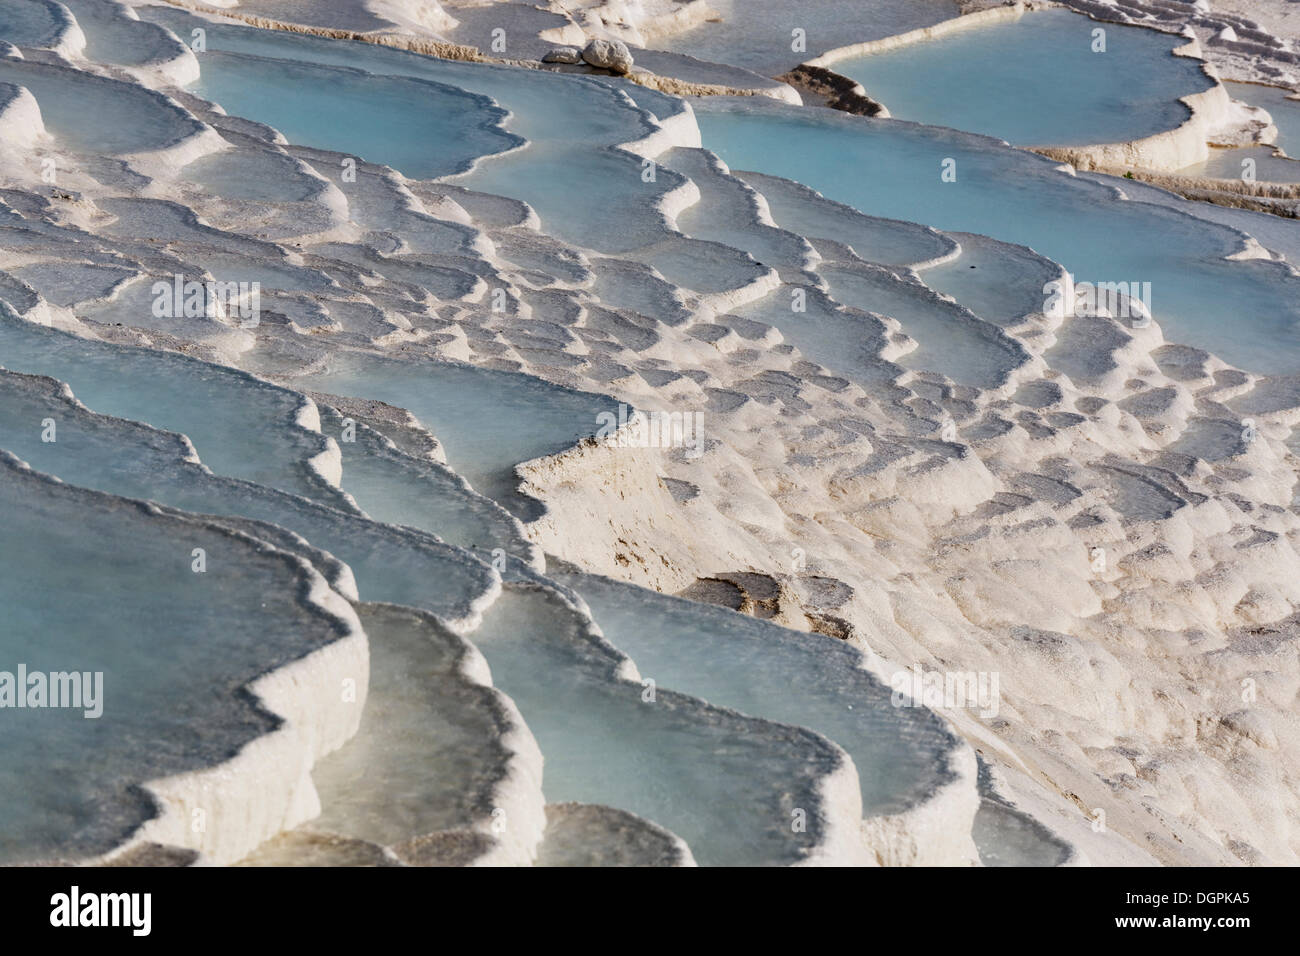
(612, 55)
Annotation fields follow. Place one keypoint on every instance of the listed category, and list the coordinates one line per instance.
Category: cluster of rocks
(612, 55)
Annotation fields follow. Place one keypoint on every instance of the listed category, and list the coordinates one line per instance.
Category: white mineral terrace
(471, 444)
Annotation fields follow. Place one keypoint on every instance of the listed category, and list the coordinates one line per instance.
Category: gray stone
(563, 54)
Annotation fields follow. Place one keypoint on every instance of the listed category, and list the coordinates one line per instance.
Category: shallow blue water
(1261, 162)
(98, 114)
(1037, 81)
(210, 404)
(1244, 162)
(571, 124)
(489, 421)
(722, 782)
(1246, 312)
(809, 680)
(1284, 110)
(759, 34)
(28, 23)
(425, 129)
(111, 590)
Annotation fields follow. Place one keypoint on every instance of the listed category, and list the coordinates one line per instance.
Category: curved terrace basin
(211, 404)
(396, 488)
(1007, 837)
(1265, 163)
(424, 129)
(113, 37)
(489, 421)
(949, 340)
(1278, 235)
(1247, 312)
(1000, 283)
(33, 23)
(1262, 161)
(1281, 105)
(580, 834)
(723, 782)
(734, 660)
(846, 342)
(131, 459)
(569, 123)
(428, 753)
(260, 176)
(98, 114)
(111, 590)
(1037, 81)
